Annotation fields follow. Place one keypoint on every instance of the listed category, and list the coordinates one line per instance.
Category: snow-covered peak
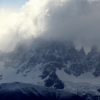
(55, 64)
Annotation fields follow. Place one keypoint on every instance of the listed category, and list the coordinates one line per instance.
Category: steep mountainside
(22, 91)
(55, 64)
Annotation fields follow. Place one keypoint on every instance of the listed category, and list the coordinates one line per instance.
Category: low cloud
(77, 20)
(22, 23)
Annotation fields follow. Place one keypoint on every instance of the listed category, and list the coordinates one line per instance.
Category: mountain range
(50, 69)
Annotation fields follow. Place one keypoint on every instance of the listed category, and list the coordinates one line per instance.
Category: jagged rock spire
(94, 48)
(82, 50)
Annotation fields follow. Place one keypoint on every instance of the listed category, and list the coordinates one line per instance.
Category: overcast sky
(78, 20)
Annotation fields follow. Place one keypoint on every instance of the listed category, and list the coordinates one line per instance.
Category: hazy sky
(12, 3)
(78, 20)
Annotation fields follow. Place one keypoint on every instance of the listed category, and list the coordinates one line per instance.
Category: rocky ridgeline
(22, 91)
(53, 55)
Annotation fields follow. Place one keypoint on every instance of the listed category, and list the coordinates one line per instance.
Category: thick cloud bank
(78, 20)
(23, 23)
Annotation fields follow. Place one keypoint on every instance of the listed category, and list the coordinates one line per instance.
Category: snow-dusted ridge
(37, 90)
(42, 93)
(53, 64)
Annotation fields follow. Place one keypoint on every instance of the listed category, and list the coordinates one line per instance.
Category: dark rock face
(21, 91)
(98, 90)
(18, 95)
(53, 80)
(90, 97)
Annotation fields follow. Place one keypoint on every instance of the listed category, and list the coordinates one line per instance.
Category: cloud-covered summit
(78, 20)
